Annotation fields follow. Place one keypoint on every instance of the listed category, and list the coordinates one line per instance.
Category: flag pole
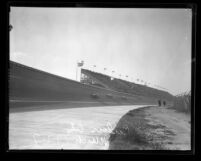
(76, 70)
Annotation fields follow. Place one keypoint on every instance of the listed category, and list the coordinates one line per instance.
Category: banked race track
(51, 112)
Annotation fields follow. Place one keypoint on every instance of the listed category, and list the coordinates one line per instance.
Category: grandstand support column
(94, 66)
(113, 73)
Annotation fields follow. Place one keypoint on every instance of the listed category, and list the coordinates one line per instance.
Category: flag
(10, 27)
(79, 64)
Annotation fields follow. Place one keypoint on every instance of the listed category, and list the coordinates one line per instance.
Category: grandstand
(101, 80)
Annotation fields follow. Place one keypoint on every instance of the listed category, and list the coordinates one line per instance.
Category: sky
(153, 45)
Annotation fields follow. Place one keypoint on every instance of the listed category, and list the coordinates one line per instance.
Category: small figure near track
(164, 103)
(159, 102)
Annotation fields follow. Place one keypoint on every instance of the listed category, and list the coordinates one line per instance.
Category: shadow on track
(41, 106)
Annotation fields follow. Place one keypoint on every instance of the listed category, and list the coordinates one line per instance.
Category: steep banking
(26, 83)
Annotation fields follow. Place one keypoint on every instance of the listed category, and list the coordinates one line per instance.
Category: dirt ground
(153, 128)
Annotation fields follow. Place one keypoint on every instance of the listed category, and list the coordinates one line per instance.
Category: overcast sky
(153, 45)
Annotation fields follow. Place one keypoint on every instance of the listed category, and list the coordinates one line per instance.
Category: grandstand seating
(127, 87)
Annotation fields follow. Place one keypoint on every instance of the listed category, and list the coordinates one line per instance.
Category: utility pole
(79, 64)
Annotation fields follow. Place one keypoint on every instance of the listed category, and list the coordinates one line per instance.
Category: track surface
(64, 128)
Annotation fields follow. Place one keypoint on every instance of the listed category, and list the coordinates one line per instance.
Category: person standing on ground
(159, 102)
(164, 103)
